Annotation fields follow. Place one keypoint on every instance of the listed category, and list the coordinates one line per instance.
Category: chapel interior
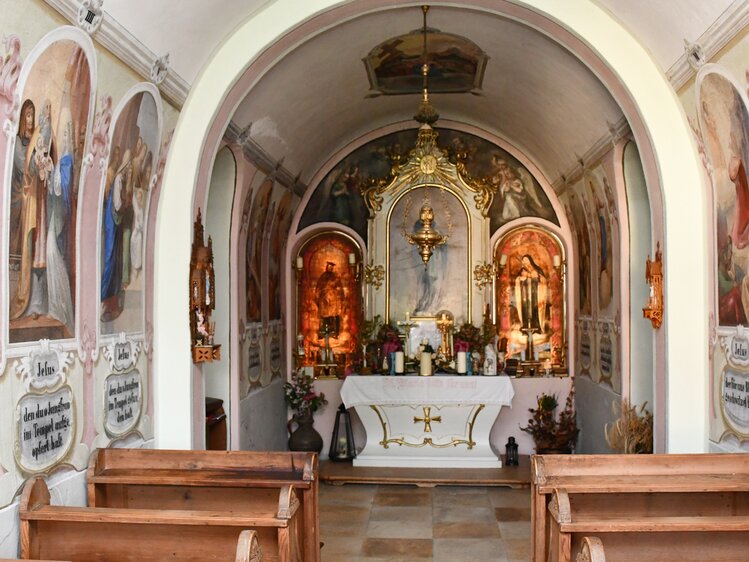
(396, 234)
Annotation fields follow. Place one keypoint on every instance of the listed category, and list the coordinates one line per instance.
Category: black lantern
(342, 446)
(511, 452)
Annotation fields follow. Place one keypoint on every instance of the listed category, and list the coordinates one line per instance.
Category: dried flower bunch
(632, 432)
(550, 433)
(300, 393)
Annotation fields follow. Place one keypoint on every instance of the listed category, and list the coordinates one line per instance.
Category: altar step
(339, 473)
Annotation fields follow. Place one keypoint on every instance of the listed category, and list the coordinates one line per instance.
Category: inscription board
(585, 352)
(606, 357)
(254, 363)
(45, 426)
(735, 400)
(275, 353)
(124, 401)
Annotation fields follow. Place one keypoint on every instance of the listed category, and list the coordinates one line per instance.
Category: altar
(437, 421)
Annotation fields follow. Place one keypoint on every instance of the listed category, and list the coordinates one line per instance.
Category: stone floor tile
(464, 513)
(355, 527)
(419, 529)
(515, 529)
(518, 548)
(403, 497)
(509, 497)
(513, 513)
(469, 550)
(335, 548)
(466, 530)
(351, 494)
(403, 514)
(410, 549)
(345, 514)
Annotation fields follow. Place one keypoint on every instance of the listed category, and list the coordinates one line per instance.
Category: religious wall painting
(337, 198)
(423, 290)
(725, 124)
(604, 271)
(124, 211)
(44, 190)
(279, 234)
(329, 303)
(456, 64)
(530, 296)
(584, 254)
(253, 255)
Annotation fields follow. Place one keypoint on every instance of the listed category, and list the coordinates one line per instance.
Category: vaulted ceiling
(314, 101)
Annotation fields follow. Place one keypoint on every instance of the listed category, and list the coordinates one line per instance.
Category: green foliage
(300, 393)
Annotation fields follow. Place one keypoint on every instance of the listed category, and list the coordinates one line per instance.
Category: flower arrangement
(470, 338)
(549, 433)
(300, 393)
(632, 432)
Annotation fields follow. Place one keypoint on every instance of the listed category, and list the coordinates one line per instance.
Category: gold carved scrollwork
(386, 442)
(428, 164)
(374, 275)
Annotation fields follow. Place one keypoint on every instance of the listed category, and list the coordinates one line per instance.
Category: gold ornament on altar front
(426, 238)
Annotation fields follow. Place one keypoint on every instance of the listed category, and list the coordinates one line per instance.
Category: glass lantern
(342, 447)
(511, 452)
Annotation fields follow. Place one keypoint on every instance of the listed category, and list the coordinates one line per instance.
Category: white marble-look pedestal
(437, 421)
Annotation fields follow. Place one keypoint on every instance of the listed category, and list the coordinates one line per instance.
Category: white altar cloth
(436, 389)
(437, 421)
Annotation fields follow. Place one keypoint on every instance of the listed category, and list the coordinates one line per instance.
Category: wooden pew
(205, 480)
(714, 530)
(629, 474)
(84, 534)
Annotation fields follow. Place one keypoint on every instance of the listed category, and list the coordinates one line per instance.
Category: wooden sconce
(654, 278)
(202, 297)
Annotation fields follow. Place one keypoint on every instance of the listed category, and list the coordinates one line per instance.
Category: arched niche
(328, 302)
(530, 300)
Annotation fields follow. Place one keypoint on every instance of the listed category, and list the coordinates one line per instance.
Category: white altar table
(437, 421)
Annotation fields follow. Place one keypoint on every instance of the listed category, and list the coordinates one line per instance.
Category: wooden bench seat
(84, 534)
(666, 527)
(625, 475)
(226, 480)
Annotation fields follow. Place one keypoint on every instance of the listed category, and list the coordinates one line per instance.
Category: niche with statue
(202, 297)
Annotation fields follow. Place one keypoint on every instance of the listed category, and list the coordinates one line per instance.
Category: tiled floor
(446, 523)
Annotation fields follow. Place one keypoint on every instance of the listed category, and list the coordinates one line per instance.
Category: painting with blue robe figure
(45, 180)
(135, 143)
(444, 283)
(337, 198)
(724, 122)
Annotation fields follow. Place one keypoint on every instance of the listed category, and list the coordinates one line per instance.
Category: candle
(426, 364)
(299, 262)
(503, 259)
(408, 316)
(352, 258)
(399, 361)
(557, 261)
(461, 362)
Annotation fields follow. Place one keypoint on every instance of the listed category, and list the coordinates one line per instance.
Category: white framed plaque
(44, 367)
(45, 428)
(123, 402)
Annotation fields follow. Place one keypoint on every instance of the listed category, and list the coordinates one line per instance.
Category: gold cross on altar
(428, 419)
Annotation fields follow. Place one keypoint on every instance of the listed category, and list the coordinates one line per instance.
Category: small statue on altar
(490, 360)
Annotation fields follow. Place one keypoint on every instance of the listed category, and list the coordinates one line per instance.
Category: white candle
(300, 262)
(557, 260)
(352, 258)
(502, 259)
(426, 364)
(461, 362)
(408, 316)
(399, 361)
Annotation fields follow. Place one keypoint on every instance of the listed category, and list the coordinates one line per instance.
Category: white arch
(651, 102)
